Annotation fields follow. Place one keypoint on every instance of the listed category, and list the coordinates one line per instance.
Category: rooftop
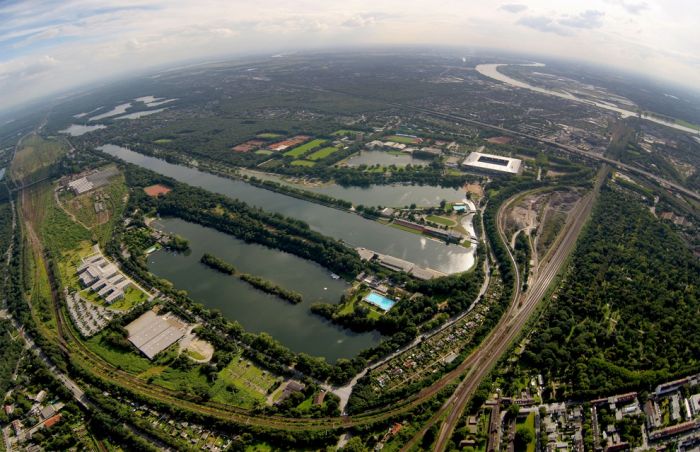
(490, 162)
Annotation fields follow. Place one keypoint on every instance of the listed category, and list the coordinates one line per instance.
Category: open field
(401, 139)
(440, 220)
(304, 148)
(345, 132)
(35, 156)
(302, 163)
(322, 153)
(269, 135)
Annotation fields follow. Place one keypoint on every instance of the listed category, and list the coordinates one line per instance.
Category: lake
(75, 130)
(140, 114)
(348, 227)
(118, 110)
(383, 158)
(491, 71)
(292, 325)
(397, 195)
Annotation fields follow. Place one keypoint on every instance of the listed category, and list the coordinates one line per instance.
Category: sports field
(304, 148)
(322, 153)
(401, 139)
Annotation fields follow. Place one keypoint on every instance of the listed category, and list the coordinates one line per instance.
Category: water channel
(491, 71)
(350, 228)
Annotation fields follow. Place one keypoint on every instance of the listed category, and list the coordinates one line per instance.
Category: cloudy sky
(51, 45)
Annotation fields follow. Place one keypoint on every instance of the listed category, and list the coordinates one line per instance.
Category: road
(509, 327)
(344, 392)
(564, 147)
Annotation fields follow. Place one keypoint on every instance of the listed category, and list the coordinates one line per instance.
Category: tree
(523, 437)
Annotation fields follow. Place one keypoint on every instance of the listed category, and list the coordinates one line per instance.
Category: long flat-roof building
(152, 333)
(492, 163)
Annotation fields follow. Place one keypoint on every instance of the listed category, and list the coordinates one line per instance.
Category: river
(350, 228)
(491, 71)
(292, 325)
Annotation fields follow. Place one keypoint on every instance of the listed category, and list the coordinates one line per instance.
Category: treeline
(255, 281)
(240, 220)
(271, 288)
(217, 264)
(319, 198)
(626, 316)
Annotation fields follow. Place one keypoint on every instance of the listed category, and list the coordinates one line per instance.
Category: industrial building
(492, 163)
(93, 179)
(152, 333)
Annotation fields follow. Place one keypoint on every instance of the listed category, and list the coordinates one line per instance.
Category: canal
(350, 228)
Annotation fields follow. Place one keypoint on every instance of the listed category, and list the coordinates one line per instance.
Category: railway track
(72, 346)
(521, 309)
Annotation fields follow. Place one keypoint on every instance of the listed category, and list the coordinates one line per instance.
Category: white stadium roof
(491, 162)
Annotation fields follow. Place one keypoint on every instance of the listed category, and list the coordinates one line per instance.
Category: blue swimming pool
(380, 301)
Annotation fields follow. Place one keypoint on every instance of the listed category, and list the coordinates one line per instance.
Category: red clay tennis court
(157, 190)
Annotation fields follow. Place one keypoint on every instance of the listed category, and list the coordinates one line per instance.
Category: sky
(52, 45)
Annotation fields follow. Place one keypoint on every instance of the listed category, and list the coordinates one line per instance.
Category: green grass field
(163, 141)
(302, 163)
(304, 148)
(400, 139)
(269, 135)
(440, 220)
(264, 152)
(529, 423)
(345, 132)
(322, 153)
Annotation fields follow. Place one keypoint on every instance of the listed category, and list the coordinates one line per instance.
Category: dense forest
(10, 351)
(627, 314)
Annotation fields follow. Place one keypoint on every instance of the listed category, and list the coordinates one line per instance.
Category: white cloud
(46, 45)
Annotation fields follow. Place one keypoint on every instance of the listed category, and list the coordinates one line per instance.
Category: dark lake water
(292, 325)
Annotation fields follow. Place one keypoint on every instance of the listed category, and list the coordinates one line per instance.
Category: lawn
(132, 297)
(304, 148)
(123, 359)
(264, 152)
(303, 163)
(163, 141)
(529, 423)
(441, 220)
(402, 140)
(269, 135)
(322, 153)
(345, 132)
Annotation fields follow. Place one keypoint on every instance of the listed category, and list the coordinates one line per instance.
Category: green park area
(401, 139)
(302, 163)
(304, 148)
(269, 135)
(322, 153)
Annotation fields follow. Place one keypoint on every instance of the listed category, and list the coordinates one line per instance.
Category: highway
(482, 361)
(564, 147)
